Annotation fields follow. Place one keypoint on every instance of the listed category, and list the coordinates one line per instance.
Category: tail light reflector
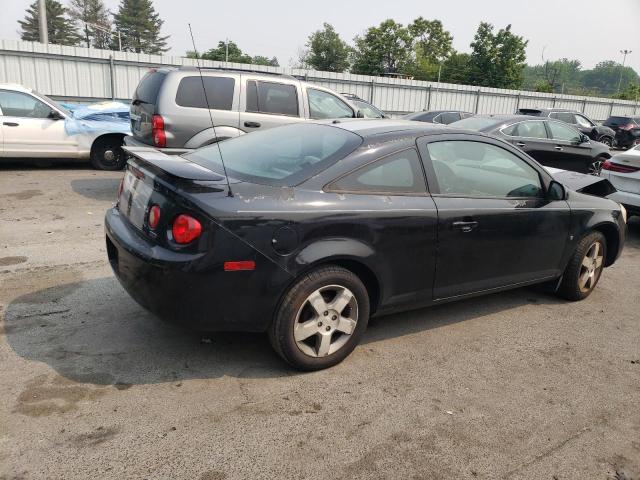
(154, 217)
(239, 266)
(185, 229)
(616, 167)
(157, 130)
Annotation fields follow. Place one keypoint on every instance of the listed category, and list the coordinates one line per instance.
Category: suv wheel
(585, 268)
(595, 166)
(321, 319)
(608, 141)
(107, 154)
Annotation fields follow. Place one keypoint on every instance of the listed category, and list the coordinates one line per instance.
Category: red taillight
(157, 130)
(616, 167)
(154, 217)
(239, 266)
(186, 229)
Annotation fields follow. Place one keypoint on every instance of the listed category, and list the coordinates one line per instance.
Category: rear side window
(560, 131)
(565, 117)
(449, 117)
(270, 97)
(527, 129)
(283, 156)
(219, 92)
(396, 174)
(149, 86)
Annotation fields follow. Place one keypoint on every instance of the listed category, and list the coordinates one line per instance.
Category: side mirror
(556, 191)
(54, 115)
(584, 139)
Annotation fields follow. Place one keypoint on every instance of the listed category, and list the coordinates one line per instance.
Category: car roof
(16, 87)
(366, 127)
(511, 117)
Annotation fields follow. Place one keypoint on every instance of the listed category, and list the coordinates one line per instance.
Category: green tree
(632, 92)
(383, 49)
(432, 42)
(497, 59)
(560, 76)
(326, 51)
(60, 28)
(235, 55)
(139, 25)
(261, 60)
(87, 13)
(605, 77)
(456, 69)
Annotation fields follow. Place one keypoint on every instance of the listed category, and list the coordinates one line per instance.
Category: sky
(588, 30)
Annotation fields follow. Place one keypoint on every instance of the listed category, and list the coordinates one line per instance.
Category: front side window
(367, 110)
(399, 173)
(477, 169)
(219, 92)
(284, 156)
(270, 97)
(584, 121)
(17, 104)
(323, 105)
(563, 132)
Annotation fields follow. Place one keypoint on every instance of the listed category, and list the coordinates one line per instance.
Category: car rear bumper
(131, 141)
(191, 289)
(631, 201)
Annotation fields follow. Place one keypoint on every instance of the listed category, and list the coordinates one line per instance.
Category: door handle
(465, 226)
(10, 124)
(559, 148)
(252, 124)
(520, 144)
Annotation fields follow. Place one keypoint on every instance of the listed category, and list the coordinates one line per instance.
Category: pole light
(624, 60)
(42, 21)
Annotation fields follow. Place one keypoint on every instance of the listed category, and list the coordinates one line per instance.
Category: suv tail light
(616, 167)
(628, 126)
(185, 229)
(154, 217)
(157, 130)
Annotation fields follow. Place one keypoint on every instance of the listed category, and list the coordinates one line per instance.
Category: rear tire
(606, 140)
(321, 319)
(585, 268)
(595, 166)
(107, 154)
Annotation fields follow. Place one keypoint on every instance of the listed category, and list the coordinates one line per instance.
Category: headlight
(624, 212)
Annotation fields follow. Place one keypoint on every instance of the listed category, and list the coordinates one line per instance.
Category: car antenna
(206, 100)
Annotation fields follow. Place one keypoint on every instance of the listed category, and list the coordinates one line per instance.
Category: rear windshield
(149, 86)
(618, 120)
(284, 156)
(475, 123)
(417, 116)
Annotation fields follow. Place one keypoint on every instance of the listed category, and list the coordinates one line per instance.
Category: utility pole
(226, 51)
(42, 17)
(624, 60)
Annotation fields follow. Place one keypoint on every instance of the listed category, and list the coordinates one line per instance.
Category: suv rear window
(284, 156)
(617, 120)
(219, 92)
(271, 97)
(149, 86)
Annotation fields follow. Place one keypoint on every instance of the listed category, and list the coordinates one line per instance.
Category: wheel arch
(612, 238)
(105, 136)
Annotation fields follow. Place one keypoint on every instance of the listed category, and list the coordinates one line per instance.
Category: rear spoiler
(580, 182)
(173, 165)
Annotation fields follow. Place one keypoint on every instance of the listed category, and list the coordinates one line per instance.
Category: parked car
(445, 117)
(35, 126)
(623, 171)
(627, 130)
(368, 110)
(169, 106)
(320, 225)
(550, 142)
(579, 120)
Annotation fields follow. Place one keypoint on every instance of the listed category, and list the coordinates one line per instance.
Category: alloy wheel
(591, 267)
(595, 167)
(325, 321)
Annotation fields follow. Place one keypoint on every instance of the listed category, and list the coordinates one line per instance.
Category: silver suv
(169, 107)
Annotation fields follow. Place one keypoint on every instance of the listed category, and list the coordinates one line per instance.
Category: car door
(267, 104)
(395, 213)
(571, 153)
(29, 129)
(531, 137)
(496, 225)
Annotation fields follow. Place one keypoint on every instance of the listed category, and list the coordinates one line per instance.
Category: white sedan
(623, 171)
(34, 126)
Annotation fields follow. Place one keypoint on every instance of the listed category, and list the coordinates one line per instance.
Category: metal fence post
(611, 108)
(518, 101)
(477, 100)
(112, 77)
(429, 97)
(371, 92)
(584, 104)
(554, 102)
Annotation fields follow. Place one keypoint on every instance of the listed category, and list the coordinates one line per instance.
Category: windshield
(368, 110)
(53, 102)
(476, 123)
(283, 156)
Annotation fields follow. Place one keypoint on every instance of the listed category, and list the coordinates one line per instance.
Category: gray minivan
(169, 107)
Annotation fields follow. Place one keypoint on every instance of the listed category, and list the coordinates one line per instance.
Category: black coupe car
(307, 230)
(551, 142)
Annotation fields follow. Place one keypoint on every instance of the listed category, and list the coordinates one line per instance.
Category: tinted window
(584, 121)
(397, 173)
(284, 156)
(219, 92)
(563, 132)
(482, 170)
(566, 117)
(269, 97)
(529, 130)
(149, 86)
(617, 120)
(476, 123)
(16, 104)
(419, 116)
(324, 105)
(449, 117)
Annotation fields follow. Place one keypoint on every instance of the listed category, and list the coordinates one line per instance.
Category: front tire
(585, 268)
(107, 154)
(321, 319)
